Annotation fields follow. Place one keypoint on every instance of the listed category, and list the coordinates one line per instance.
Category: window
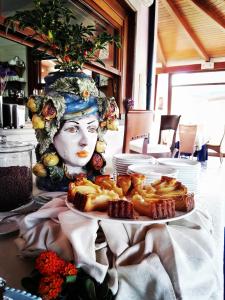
(200, 99)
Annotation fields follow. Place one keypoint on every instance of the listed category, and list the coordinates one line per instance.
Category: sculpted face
(76, 141)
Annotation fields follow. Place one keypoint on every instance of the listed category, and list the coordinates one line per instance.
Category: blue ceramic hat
(79, 92)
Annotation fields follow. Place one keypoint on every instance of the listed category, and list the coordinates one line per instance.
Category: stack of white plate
(152, 172)
(188, 171)
(121, 161)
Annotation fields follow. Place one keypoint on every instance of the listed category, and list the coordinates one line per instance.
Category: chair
(187, 137)
(220, 148)
(158, 150)
(169, 122)
(137, 126)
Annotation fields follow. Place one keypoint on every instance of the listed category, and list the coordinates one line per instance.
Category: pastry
(185, 202)
(170, 188)
(84, 186)
(121, 209)
(89, 196)
(128, 195)
(105, 182)
(155, 208)
(130, 183)
(124, 182)
(137, 180)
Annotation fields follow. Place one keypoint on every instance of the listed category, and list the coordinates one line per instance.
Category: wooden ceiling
(190, 31)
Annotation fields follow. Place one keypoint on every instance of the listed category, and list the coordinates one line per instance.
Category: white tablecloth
(157, 261)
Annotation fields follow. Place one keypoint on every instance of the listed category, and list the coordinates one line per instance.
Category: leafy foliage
(83, 288)
(56, 173)
(54, 25)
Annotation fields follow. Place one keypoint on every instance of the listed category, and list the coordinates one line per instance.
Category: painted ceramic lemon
(100, 146)
(31, 104)
(50, 159)
(39, 170)
(112, 124)
(38, 122)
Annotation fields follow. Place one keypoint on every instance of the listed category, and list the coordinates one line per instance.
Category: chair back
(169, 122)
(219, 148)
(137, 125)
(187, 136)
(222, 141)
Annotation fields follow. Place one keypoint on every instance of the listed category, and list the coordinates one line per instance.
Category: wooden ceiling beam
(176, 15)
(202, 5)
(161, 51)
(218, 66)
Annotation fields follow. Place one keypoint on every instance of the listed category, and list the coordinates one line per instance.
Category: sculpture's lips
(82, 153)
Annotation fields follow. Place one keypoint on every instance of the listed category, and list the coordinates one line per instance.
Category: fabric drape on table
(155, 261)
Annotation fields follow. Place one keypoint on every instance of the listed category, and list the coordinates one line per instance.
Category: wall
(141, 52)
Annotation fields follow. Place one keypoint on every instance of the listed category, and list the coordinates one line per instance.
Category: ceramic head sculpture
(70, 122)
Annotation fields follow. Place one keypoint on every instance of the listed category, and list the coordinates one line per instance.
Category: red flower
(55, 273)
(69, 270)
(67, 58)
(50, 287)
(48, 262)
(53, 46)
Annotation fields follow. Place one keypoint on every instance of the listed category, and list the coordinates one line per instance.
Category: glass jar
(15, 174)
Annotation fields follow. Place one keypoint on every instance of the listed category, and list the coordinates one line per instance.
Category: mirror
(13, 62)
(14, 83)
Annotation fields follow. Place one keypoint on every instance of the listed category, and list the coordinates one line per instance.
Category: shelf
(15, 85)
(16, 70)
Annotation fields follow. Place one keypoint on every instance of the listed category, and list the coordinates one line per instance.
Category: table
(13, 267)
(125, 242)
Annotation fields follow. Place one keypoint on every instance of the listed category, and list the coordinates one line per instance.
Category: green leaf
(100, 62)
(71, 278)
(56, 173)
(90, 287)
(66, 38)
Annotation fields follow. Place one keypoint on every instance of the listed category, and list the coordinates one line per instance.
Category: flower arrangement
(57, 279)
(71, 44)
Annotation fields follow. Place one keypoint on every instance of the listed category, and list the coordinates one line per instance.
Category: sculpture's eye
(72, 129)
(92, 128)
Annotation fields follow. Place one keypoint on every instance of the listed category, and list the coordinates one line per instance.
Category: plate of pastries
(128, 199)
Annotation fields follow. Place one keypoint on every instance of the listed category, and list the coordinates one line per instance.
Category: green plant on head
(69, 43)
